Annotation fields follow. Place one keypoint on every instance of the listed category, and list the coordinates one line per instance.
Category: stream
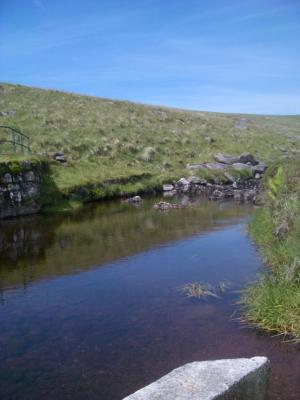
(91, 305)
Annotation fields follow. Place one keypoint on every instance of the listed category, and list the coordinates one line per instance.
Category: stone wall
(20, 187)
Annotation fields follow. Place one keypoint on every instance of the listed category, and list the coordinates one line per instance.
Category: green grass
(273, 303)
(106, 140)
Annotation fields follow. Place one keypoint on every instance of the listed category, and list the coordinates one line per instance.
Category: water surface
(90, 306)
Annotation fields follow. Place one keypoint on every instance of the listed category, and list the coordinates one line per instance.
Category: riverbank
(273, 303)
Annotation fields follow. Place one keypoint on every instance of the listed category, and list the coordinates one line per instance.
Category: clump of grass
(198, 290)
(273, 303)
(148, 154)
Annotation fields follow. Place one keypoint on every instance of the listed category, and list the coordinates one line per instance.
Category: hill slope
(107, 140)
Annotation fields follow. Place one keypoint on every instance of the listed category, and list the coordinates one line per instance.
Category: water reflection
(41, 247)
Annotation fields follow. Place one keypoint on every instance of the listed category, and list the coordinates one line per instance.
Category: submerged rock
(135, 199)
(164, 206)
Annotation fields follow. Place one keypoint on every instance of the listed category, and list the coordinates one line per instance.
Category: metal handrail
(18, 140)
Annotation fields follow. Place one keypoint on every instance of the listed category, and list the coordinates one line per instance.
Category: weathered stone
(6, 178)
(260, 168)
(195, 166)
(242, 167)
(257, 176)
(196, 180)
(182, 185)
(226, 159)
(168, 187)
(29, 176)
(236, 379)
(247, 158)
(215, 166)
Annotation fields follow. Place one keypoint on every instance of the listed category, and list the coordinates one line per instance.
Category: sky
(212, 55)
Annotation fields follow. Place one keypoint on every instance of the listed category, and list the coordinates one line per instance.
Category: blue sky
(216, 55)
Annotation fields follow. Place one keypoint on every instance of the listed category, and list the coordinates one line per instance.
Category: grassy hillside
(123, 143)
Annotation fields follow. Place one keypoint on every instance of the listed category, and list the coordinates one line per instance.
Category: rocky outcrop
(240, 178)
(20, 187)
(236, 379)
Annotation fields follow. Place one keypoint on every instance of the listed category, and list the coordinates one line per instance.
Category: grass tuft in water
(198, 290)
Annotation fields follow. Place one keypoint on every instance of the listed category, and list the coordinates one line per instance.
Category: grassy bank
(273, 303)
(121, 147)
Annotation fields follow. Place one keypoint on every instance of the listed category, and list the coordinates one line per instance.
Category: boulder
(182, 185)
(241, 378)
(226, 159)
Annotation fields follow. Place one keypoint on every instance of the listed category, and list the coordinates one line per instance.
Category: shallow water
(90, 306)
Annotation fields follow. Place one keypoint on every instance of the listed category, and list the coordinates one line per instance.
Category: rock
(58, 156)
(196, 180)
(168, 188)
(29, 176)
(249, 195)
(215, 165)
(6, 178)
(182, 185)
(257, 176)
(226, 159)
(9, 113)
(60, 159)
(135, 199)
(247, 158)
(242, 167)
(164, 206)
(209, 139)
(241, 378)
(217, 195)
(259, 168)
(195, 166)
